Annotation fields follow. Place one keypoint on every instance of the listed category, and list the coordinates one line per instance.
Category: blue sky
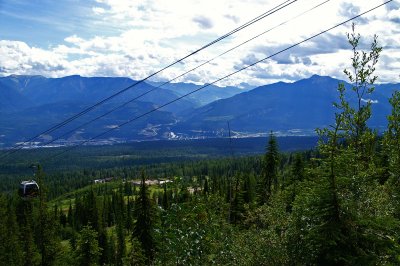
(135, 38)
(40, 23)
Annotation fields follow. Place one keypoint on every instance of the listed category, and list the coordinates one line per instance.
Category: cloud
(203, 22)
(98, 10)
(19, 58)
(394, 15)
(74, 39)
(349, 10)
(394, 5)
(303, 54)
(137, 38)
(235, 19)
(247, 60)
(272, 70)
(370, 101)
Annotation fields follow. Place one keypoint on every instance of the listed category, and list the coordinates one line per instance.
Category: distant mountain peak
(318, 77)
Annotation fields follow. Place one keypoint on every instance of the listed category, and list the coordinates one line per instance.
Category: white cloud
(18, 58)
(151, 34)
(370, 101)
(74, 39)
(394, 15)
(98, 10)
(203, 22)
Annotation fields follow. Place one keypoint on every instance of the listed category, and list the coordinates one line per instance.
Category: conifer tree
(92, 214)
(136, 256)
(10, 247)
(205, 189)
(392, 149)
(296, 176)
(237, 206)
(248, 188)
(345, 204)
(46, 238)
(88, 250)
(70, 215)
(24, 214)
(165, 199)
(111, 251)
(129, 209)
(120, 221)
(104, 246)
(298, 168)
(143, 227)
(269, 180)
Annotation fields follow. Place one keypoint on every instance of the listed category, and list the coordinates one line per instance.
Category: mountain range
(31, 104)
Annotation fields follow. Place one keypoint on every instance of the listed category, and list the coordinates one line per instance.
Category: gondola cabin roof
(28, 189)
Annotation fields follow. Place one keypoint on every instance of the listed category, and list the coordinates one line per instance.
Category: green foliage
(143, 227)
(344, 216)
(392, 136)
(196, 233)
(46, 237)
(136, 256)
(10, 248)
(24, 212)
(65, 257)
(270, 171)
(392, 150)
(88, 250)
(265, 240)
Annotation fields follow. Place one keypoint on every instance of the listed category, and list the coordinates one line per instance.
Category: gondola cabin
(28, 189)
